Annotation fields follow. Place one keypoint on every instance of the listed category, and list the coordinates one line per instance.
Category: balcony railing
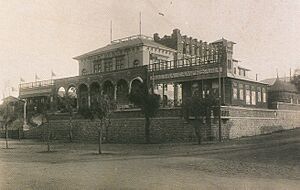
(36, 84)
(186, 62)
(131, 38)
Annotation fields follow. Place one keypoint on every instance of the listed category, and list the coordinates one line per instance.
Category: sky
(39, 36)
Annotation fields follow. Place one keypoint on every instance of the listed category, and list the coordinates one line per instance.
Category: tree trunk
(6, 136)
(43, 136)
(19, 133)
(147, 130)
(99, 141)
(198, 130)
(71, 130)
(48, 137)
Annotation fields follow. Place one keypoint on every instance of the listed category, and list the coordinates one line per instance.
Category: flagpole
(111, 31)
(140, 23)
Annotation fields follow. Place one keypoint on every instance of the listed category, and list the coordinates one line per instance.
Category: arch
(72, 94)
(108, 89)
(61, 92)
(136, 79)
(83, 95)
(94, 92)
(122, 91)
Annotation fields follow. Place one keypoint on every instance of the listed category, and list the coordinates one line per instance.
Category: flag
(161, 14)
(53, 74)
(22, 80)
(36, 77)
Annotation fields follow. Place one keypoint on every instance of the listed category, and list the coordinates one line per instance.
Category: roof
(271, 81)
(126, 42)
(281, 86)
(11, 99)
(235, 76)
(222, 40)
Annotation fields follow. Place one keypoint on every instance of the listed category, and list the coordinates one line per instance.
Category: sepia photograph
(150, 95)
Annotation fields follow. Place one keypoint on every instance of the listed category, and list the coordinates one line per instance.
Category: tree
(42, 110)
(101, 109)
(10, 112)
(296, 81)
(149, 104)
(200, 108)
(67, 106)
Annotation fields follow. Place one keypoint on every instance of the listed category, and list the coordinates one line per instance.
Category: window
(253, 97)
(234, 70)
(241, 89)
(83, 72)
(264, 95)
(97, 68)
(120, 61)
(259, 94)
(136, 63)
(229, 64)
(235, 91)
(108, 66)
(248, 99)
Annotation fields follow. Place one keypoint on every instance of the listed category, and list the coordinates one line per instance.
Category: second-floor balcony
(37, 84)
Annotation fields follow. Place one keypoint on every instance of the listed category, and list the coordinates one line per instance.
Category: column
(163, 94)
(115, 92)
(89, 98)
(175, 94)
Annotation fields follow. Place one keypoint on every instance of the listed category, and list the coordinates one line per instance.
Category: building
(175, 66)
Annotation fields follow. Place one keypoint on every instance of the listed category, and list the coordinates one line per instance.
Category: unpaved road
(264, 162)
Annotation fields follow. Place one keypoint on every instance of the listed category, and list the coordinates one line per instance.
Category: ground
(262, 162)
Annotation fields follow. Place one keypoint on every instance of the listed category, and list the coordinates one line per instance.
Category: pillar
(175, 94)
(89, 98)
(115, 92)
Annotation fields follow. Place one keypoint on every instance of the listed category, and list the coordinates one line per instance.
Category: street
(262, 162)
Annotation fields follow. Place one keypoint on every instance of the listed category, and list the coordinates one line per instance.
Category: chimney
(156, 37)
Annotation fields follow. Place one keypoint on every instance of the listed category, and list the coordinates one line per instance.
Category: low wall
(130, 130)
(241, 122)
(236, 122)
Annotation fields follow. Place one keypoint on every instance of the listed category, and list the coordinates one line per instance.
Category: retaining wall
(236, 122)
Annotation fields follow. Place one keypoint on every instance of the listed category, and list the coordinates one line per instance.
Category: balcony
(36, 84)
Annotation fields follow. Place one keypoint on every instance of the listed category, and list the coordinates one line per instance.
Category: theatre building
(175, 66)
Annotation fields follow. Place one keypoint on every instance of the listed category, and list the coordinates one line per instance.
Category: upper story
(189, 48)
(122, 54)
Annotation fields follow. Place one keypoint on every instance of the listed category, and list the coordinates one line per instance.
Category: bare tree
(44, 112)
(67, 106)
(10, 111)
(101, 109)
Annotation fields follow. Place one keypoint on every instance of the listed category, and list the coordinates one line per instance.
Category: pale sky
(40, 36)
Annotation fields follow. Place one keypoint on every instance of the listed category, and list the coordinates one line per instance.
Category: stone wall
(129, 130)
(241, 122)
(236, 122)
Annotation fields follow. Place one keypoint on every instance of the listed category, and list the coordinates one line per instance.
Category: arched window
(83, 72)
(136, 63)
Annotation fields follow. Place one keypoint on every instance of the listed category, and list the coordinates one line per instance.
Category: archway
(108, 89)
(95, 92)
(61, 92)
(72, 94)
(135, 85)
(83, 96)
(122, 92)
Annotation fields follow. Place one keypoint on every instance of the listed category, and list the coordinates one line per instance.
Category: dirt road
(264, 162)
